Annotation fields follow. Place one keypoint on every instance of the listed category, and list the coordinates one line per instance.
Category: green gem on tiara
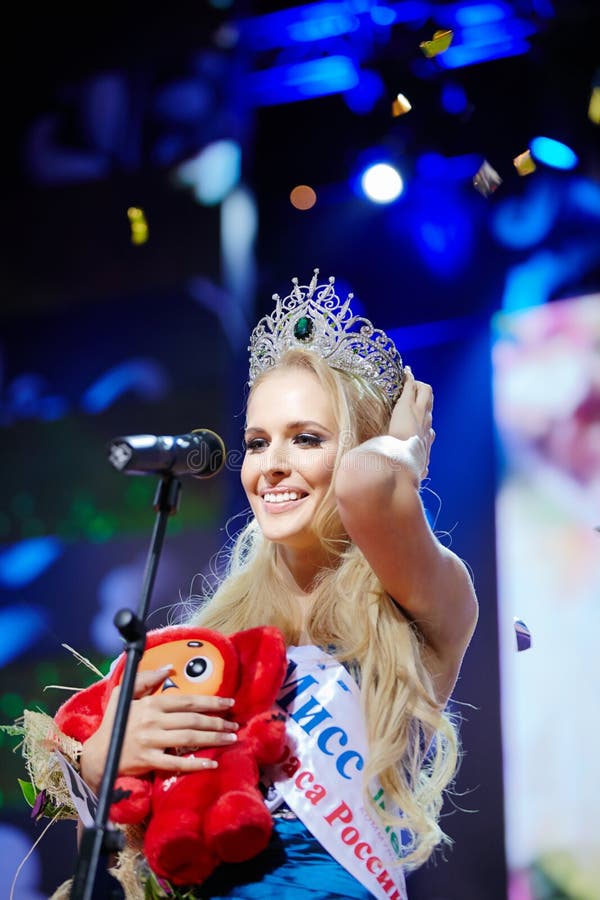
(304, 328)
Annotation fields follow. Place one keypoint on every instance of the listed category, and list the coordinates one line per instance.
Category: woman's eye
(198, 669)
(308, 440)
(255, 444)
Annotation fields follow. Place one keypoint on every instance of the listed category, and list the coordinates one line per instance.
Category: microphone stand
(88, 884)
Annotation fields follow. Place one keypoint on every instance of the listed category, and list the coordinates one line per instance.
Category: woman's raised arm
(377, 490)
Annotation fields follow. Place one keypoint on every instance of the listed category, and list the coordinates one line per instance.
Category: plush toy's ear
(81, 714)
(263, 666)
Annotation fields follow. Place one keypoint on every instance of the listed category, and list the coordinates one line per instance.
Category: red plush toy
(198, 819)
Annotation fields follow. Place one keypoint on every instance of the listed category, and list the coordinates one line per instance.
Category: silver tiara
(312, 317)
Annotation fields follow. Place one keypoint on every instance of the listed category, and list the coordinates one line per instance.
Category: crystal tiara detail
(313, 317)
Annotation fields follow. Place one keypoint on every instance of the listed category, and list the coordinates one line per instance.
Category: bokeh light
(553, 153)
(303, 197)
(382, 183)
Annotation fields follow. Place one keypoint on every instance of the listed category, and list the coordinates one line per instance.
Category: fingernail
(226, 701)
(229, 737)
(210, 764)
(163, 669)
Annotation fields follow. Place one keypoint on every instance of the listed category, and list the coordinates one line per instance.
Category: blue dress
(293, 867)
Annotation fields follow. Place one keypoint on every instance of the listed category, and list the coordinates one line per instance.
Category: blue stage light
(362, 98)
(320, 22)
(470, 54)
(144, 377)
(484, 32)
(431, 334)
(23, 562)
(553, 153)
(381, 183)
(21, 626)
(454, 99)
(433, 166)
(297, 81)
(383, 15)
(470, 15)
(521, 222)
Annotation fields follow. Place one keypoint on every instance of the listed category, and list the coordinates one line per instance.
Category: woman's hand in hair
(412, 414)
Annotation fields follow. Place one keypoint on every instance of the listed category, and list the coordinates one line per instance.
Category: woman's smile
(283, 499)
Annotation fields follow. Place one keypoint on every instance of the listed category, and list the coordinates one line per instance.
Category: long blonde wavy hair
(413, 742)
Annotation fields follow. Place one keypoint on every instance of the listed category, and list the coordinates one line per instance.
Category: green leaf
(13, 730)
(152, 890)
(29, 790)
(49, 811)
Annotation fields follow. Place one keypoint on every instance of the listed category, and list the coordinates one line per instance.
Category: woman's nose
(276, 461)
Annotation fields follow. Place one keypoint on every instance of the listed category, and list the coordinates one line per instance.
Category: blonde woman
(376, 612)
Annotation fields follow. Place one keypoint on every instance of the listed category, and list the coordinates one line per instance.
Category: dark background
(80, 301)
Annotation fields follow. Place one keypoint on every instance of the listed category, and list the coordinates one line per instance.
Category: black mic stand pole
(99, 839)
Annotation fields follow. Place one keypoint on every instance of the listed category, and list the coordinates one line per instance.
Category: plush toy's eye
(200, 668)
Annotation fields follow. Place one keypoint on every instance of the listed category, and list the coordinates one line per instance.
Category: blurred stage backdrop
(149, 215)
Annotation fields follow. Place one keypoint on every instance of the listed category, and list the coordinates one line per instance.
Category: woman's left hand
(412, 414)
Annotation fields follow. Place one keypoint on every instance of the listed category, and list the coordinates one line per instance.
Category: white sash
(320, 775)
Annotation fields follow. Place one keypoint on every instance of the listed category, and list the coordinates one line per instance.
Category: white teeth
(281, 498)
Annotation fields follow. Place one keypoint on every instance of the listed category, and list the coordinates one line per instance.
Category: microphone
(201, 454)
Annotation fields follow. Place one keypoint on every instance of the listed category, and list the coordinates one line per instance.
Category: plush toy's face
(197, 666)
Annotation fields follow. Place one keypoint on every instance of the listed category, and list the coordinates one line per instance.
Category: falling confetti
(400, 105)
(139, 226)
(522, 634)
(486, 180)
(594, 105)
(440, 43)
(303, 197)
(524, 164)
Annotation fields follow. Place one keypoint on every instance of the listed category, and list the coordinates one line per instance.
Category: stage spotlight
(552, 153)
(381, 183)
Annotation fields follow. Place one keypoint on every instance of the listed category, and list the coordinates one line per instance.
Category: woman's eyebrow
(307, 423)
(291, 426)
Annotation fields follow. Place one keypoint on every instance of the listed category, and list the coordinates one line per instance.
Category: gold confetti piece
(303, 197)
(594, 106)
(524, 163)
(400, 106)
(486, 180)
(439, 44)
(139, 226)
